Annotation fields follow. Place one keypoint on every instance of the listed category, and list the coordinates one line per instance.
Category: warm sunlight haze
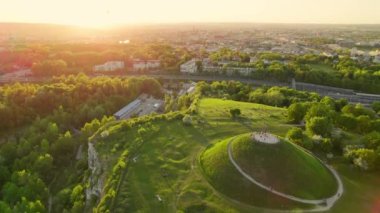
(103, 13)
(191, 106)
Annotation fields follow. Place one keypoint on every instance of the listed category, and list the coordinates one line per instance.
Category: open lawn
(362, 190)
(322, 68)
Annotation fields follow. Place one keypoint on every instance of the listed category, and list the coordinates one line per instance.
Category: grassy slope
(174, 152)
(225, 178)
(139, 188)
(255, 117)
(165, 166)
(362, 190)
(284, 167)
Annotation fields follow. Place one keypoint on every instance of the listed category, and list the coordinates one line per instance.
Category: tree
(187, 120)
(346, 122)
(274, 98)
(376, 106)
(326, 145)
(295, 135)
(4, 207)
(364, 124)
(372, 140)
(235, 113)
(365, 159)
(296, 112)
(329, 102)
(4, 175)
(319, 126)
(77, 198)
(49, 67)
(358, 110)
(27, 206)
(43, 166)
(318, 110)
(339, 104)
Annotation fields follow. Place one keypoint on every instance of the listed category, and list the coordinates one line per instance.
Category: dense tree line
(334, 126)
(274, 96)
(344, 72)
(39, 162)
(77, 98)
(47, 59)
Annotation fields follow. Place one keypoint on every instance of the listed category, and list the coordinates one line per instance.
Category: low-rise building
(146, 64)
(127, 110)
(109, 66)
(190, 67)
(376, 59)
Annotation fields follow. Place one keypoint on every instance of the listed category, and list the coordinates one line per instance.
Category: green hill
(282, 166)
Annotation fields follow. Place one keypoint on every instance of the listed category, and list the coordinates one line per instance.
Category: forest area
(45, 126)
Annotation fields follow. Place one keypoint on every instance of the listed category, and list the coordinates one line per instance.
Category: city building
(189, 67)
(109, 66)
(376, 59)
(146, 64)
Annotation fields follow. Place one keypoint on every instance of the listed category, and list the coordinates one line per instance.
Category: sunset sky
(109, 12)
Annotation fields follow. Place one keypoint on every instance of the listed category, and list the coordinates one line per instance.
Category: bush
(376, 106)
(187, 120)
(296, 112)
(235, 113)
(318, 110)
(346, 122)
(319, 126)
(372, 140)
(365, 159)
(326, 145)
(295, 135)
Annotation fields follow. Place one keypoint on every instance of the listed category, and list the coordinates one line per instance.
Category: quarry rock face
(95, 183)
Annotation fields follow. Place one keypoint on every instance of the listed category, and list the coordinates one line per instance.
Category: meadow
(164, 175)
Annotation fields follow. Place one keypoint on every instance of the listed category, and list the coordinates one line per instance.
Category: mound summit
(280, 166)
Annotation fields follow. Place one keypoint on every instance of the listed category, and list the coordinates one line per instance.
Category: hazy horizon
(117, 12)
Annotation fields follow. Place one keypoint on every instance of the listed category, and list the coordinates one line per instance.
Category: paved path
(322, 204)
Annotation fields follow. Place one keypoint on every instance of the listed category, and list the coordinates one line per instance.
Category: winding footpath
(321, 204)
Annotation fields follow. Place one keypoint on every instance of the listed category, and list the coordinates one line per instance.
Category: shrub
(235, 113)
(295, 135)
(326, 145)
(319, 126)
(372, 140)
(187, 120)
(296, 112)
(365, 159)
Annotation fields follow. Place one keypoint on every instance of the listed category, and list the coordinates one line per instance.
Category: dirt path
(321, 204)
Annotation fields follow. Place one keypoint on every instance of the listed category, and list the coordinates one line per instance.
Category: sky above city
(109, 12)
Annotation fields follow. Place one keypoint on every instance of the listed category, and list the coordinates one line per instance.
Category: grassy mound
(281, 166)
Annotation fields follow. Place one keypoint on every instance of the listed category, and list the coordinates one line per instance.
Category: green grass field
(284, 167)
(322, 68)
(225, 178)
(167, 164)
(362, 189)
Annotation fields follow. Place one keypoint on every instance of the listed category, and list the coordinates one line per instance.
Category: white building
(376, 59)
(189, 67)
(109, 66)
(146, 64)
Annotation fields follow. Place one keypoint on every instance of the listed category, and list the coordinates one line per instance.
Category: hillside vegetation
(284, 167)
